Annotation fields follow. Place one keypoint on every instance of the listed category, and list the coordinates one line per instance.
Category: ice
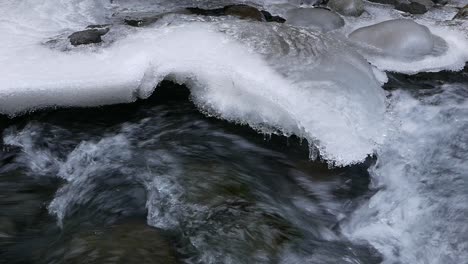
(452, 55)
(400, 38)
(450, 50)
(273, 77)
(317, 18)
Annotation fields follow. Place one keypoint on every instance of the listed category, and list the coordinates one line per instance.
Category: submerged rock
(124, 243)
(347, 7)
(462, 14)
(320, 18)
(400, 37)
(89, 36)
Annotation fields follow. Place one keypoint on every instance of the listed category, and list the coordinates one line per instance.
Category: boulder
(88, 36)
(399, 37)
(319, 18)
(462, 14)
(347, 7)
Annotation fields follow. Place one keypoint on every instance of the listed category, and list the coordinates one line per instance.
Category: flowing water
(218, 140)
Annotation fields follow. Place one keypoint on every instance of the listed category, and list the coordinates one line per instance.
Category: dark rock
(241, 11)
(385, 2)
(141, 22)
(414, 6)
(98, 26)
(462, 14)
(206, 12)
(244, 12)
(409, 6)
(270, 18)
(88, 36)
(440, 2)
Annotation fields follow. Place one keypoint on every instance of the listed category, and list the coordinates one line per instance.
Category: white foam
(418, 214)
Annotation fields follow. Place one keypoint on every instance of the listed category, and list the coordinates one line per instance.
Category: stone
(244, 12)
(88, 36)
(320, 18)
(385, 2)
(462, 14)
(271, 18)
(414, 6)
(347, 7)
(409, 6)
(241, 11)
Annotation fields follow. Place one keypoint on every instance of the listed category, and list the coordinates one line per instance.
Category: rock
(141, 22)
(347, 7)
(414, 6)
(462, 14)
(88, 36)
(399, 37)
(440, 2)
(270, 18)
(240, 11)
(320, 18)
(385, 2)
(409, 6)
(244, 12)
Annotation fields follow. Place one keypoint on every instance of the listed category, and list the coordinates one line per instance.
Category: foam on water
(419, 212)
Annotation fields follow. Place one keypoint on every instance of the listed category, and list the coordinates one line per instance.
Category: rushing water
(213, 192)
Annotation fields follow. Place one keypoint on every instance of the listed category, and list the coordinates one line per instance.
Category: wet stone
(141, 22)
(88, 36)
(241, 11)
(462, 14)
(414, 6)
(271, 18)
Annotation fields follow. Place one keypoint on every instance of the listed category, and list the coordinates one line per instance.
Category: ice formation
(316, 87)
(400, 37)
(317, 18)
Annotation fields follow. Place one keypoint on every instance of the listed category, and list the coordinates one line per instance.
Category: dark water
(158, 182)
